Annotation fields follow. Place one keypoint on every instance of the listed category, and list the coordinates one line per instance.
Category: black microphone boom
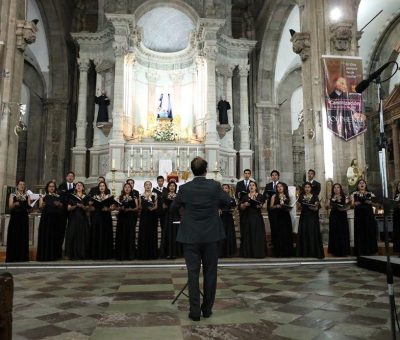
(365, 83)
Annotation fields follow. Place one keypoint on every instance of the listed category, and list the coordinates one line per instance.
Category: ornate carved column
(245, 152)
(211, 113)
(396, 149)
(81, 121)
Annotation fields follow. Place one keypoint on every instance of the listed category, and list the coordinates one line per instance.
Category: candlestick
(141, 151)
(113, 181)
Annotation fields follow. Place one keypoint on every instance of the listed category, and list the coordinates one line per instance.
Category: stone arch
(177, 4)
(289, 83)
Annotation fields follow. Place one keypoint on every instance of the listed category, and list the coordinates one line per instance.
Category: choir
(85, 223)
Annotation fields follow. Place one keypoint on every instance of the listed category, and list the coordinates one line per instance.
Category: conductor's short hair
(198, 166)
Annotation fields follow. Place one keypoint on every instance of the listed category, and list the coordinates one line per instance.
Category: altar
(162, 96)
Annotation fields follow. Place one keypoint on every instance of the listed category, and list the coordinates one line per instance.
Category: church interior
(292, 92)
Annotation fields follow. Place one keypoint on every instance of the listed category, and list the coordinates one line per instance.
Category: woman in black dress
(339, 234)
(101, 247)
(280, 213)
(18, 227)
(77, 235)
(396, 219)
(169, 248)
(309, 242)
(253, 223)
(148, 236)
(365, 225)
(125, 236)
(49, 249)
(227, 247)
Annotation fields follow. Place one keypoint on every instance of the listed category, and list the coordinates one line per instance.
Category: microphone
(365, 83)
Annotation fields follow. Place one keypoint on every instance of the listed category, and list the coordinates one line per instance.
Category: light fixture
(336, 14)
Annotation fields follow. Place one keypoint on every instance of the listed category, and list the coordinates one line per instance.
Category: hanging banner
(344, 109)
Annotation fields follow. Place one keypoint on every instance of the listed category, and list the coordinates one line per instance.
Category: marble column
(176, 97)
(396, 149)
(212, 139)
(245, 152)
(229, 99)
(152, 77)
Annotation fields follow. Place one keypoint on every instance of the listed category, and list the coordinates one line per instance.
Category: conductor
(200, 230)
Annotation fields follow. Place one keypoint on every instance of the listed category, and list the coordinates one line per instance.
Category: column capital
(84, 64)
(211, 52)
(244, 70)
(152, 76)
(176, 77)
(120, 48)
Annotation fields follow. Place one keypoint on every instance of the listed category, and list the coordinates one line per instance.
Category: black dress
(103, 102)
(253, 230)
(49, 247)
(18, 231)
(147, 239)
(283, 236)
(77, 235)
(309, 243)
(365, 225)
(339, 232)
(227, 246)
(125, 236)
(169, 248)
(396, 224)
(101, 233)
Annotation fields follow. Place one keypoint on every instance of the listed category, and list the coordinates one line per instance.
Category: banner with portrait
(344, 107)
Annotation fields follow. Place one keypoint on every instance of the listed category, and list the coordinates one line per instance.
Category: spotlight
(35, 21)
(292, 32)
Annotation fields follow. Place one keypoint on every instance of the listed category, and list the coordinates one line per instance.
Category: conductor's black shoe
(194, 318)
(207, 314)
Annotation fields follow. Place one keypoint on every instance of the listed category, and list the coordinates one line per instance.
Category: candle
(141, 151)
(188, 151)
(131, 150)
(216, 165)
(178, 150)
(151, 150)
(113, 164)
(197, 151)
(131, 163)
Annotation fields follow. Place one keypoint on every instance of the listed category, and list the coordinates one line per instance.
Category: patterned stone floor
(299, 302)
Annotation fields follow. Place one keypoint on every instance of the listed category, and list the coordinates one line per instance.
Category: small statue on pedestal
(103, 101)
(354, 174)
(223, 107)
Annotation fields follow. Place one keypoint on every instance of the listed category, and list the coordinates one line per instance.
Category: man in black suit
(269, 191)
(64, 189)
(200, 230)
(95, 190)
(242, 186)
(315, 186)
(161, 191)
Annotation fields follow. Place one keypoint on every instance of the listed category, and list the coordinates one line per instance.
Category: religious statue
(223, 107)
(164, 110)
(354, 174)
(103, 101)
(80, 15)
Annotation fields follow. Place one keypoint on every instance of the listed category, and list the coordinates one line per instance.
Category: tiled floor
(299, 302)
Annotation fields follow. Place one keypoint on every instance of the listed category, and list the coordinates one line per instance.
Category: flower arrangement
(165, 130)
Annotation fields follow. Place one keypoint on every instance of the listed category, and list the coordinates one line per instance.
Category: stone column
(79, 151)
(245, 152)
(81, 120)
(229, 98)
(396, 149)
(99, 88)
(320, 35)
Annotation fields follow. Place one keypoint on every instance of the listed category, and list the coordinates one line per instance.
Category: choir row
(84, 222)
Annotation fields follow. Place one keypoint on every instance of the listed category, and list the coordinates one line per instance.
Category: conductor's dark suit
(200, 230)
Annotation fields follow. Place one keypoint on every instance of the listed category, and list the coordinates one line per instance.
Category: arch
(176, 4)
(269, 49)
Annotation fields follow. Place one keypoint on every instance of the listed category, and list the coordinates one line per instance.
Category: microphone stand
(382, 145)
